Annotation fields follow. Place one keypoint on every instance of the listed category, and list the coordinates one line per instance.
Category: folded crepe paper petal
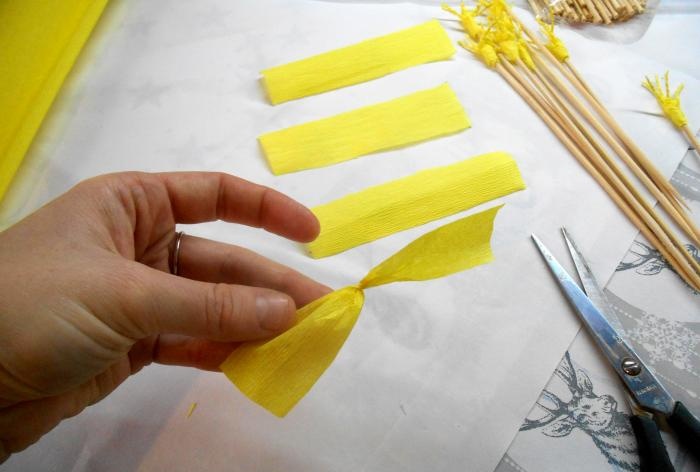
(406, 120)
(277, 373)
(360, 62)
(39, 42)
(428, 195)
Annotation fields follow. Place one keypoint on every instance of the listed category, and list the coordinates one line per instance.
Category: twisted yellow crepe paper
(277, 373)
(425, 196)
(468, 19)
(358, 63)
(670, 103)
(555, 45)
(39, 42)
(406, 120)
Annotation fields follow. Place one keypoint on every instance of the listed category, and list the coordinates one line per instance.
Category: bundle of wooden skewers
(545, 78)
(591, 11)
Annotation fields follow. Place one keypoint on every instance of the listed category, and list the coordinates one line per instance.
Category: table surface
(666, 334)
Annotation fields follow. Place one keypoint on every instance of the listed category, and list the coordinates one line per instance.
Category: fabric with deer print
(645, 260)
(595, 415)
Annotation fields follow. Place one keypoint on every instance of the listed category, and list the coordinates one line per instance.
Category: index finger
(196, 197)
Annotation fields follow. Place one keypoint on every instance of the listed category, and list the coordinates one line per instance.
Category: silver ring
(176, 252)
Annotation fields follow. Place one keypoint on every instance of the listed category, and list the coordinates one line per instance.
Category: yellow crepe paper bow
(555, 45)
(502, 36)
(495, 9)
(484, 49)
(670, 103)
(468, 20)
(277, 373)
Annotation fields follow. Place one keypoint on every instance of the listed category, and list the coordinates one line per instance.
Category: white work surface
(436, 375)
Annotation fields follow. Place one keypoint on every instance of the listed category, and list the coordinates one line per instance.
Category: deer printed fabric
(428, 195)
(360, 62)
(277, 373)
(406, 120)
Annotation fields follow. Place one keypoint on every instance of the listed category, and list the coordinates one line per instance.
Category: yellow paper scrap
(277, 373)
(358, 63)
(406, 120)
(428, 195)
(39, 42)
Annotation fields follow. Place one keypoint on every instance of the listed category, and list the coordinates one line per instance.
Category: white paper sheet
(436, 375)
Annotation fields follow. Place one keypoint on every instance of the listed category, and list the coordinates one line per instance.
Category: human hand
(87, 297)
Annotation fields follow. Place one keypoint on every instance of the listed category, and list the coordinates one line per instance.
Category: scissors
(649, 397)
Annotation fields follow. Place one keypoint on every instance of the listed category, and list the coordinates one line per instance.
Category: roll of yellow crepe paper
(39, 42)
(277, 373)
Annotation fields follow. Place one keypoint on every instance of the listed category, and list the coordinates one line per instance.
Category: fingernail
(273, 311)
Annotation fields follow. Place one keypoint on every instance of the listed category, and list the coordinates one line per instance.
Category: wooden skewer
(678, 216)
(671, 206)
(682, 269)
(692, 139)
(603, 162)
(606, 166)
(635, 151)
(592, 11)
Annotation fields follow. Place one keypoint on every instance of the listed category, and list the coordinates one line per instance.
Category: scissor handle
(653, 456)
(687, 429)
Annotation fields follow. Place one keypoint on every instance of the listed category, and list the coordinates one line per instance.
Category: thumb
(222, 312)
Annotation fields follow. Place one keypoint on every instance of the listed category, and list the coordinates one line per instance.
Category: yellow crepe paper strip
(406, 120)
(428, 195)
(39, 42)
(358, 63)
(277, 373)
(670, 103)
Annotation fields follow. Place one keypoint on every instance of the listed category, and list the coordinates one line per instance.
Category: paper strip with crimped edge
(360, 62)
(405, 120)
(428, 195)
(39, 42)
(277, 373)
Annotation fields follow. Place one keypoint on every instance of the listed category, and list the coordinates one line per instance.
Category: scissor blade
(590, 284)
(648, 392)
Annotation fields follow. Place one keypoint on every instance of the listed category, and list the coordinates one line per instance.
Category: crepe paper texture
(428, 195)
(670, 103)
(277, 373)
(405, 120)
(360, 62)
(39, 42)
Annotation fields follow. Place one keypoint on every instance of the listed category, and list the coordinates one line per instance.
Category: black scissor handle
(687, 429)
(653, 456)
